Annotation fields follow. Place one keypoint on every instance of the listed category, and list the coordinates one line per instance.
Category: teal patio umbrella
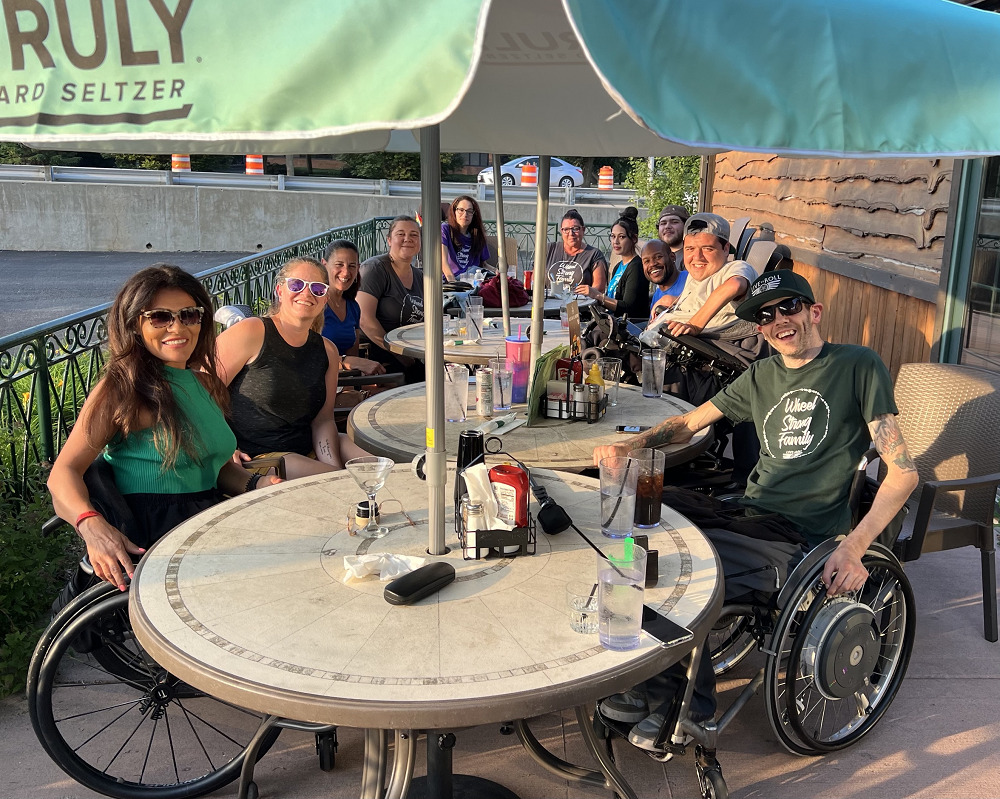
(579, 77)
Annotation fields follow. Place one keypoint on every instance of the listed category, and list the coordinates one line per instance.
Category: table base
(463, 786)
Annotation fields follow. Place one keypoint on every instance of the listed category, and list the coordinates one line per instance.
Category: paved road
(39, 287)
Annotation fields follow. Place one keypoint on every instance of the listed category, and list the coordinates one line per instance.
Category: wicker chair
(949, 416)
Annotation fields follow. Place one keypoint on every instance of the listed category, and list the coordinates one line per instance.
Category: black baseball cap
(771, 286)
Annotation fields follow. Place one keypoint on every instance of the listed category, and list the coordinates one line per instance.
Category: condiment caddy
(572, 396)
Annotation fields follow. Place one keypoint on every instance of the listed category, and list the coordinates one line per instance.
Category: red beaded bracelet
(85, 515)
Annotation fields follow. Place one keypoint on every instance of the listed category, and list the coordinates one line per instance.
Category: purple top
(462, 259)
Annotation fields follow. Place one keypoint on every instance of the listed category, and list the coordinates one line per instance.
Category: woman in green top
(157, 416)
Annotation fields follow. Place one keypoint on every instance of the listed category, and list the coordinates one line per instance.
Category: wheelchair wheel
(839, 660)
(730, 641)
(120, 724)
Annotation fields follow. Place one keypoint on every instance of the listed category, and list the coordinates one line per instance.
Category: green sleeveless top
(139, 467)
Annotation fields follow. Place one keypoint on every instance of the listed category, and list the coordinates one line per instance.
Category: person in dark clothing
(627, 292)
(282, 377)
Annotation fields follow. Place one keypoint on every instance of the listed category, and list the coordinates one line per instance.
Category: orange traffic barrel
(255, 165)
(529, 175)
(606, 178)
(180, 163)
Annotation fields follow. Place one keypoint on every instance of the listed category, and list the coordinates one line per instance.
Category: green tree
(14, 153)
(392, 166)
(673, 181)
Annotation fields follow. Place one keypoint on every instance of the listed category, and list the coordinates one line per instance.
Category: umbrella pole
(541, 248)
(501, 245)
(436, 465)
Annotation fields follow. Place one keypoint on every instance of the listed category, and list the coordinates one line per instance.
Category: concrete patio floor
(940, 737)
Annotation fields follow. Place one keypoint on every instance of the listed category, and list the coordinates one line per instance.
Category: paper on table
(545, 367)
(477, 480)
(384, 564)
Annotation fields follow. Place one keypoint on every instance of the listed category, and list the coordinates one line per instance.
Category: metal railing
(47, 372)
(235, 180)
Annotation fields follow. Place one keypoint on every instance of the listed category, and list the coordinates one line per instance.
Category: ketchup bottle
(510, 487)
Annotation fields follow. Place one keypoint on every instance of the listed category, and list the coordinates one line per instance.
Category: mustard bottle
(594, 378)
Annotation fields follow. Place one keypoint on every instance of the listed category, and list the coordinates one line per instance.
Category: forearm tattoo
(889, 442)
(659, 436)
(325, 451)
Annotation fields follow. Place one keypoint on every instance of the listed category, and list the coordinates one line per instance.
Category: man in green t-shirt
(816, 407)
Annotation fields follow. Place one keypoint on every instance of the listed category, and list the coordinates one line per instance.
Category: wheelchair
(832, 665)
(118, 723)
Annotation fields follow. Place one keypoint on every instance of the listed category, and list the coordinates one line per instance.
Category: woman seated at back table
(463, 239)
(392, 295)
(572, 252)
(342, 315)
(157, 417)
(282, 377)
(628, 289)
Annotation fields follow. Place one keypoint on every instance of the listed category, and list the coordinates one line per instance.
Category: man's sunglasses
(789, 307)
(161, 317)
(297, 284)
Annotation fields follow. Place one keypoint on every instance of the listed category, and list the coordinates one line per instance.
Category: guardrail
(47, 372)
(236, 180)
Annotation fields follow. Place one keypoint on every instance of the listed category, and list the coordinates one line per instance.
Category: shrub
(32, 572)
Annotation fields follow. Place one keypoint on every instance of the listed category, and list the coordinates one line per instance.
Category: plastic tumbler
(475, 318)
(654, 361)
(648, 464)
(519, 361)
(456, 392)
(621, 574)
(619, 477)
(611, 373)
(503, 381)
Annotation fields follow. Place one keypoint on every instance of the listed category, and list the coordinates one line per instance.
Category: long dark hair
(477, 232)
(345, 244)
(135, 382)
(628, 221)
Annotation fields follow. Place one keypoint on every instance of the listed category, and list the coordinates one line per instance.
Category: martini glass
(370, 473)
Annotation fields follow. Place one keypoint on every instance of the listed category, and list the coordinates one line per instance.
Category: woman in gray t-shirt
(392, 290)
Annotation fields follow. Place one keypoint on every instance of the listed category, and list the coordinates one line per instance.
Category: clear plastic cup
(621, 575)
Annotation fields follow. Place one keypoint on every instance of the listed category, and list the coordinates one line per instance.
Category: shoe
(630, 707)
(643, 735)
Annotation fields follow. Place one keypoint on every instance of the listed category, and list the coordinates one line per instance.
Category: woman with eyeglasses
(572, 253)
(627, 293)
(282, 377)
(392, 294)
(342, 315)
(463, 239)
(157, 416)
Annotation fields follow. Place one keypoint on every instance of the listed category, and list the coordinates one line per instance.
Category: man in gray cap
(816, 407)
(670, 229)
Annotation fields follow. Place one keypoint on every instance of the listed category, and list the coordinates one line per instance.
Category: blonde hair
(287, 267)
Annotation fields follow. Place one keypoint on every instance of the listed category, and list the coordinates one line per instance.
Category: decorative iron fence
(47, 372)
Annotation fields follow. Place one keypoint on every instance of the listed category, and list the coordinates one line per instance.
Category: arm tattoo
(889, 442)
(324, 449)
(660, 435)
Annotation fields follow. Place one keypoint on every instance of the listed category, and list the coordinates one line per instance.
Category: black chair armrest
(928, 497)
(390, 379)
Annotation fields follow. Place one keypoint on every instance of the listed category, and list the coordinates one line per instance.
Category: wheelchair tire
(123, 726)
(839, 660)
(730, 641)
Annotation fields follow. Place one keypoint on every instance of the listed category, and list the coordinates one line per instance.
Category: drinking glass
(503, 384)
(611, 372)
(654, 361)
(621, 575)
(581, 600)
(649, 465)
(618, 476)
(456, 392)
(475, 318)
(370, 473)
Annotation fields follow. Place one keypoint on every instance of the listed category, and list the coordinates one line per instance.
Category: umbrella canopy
(583, 77)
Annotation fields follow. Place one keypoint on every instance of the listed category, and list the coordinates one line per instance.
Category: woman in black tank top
(282, 377)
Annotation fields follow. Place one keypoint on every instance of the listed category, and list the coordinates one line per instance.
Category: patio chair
(758, 255)
(510, 250)
(948, 414)
(736, 234)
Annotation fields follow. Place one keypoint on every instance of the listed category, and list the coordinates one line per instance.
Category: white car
(561, 173)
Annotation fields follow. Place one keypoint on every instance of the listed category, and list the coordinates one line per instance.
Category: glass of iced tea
(649, 465)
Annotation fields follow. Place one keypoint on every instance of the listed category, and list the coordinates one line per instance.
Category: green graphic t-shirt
(812, 423)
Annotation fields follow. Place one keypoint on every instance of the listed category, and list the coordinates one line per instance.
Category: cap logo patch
(765, 284)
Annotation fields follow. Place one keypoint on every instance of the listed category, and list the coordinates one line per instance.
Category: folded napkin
(384, 564)
(477, 481)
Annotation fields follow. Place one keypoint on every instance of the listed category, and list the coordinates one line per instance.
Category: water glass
(581, 600)
(564, 316)
(649, 465)
(456, 392)
(611, 373)
(475, 318)
(621, 574)
(618, 485)
(654, 361)
(503, 384)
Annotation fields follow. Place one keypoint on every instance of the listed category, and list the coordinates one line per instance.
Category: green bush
(33, 570)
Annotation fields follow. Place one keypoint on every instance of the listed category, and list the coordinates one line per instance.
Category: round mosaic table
(392, 424)
(248, 602)
(409, 340)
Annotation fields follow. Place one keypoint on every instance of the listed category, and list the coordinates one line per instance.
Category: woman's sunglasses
(161, 317)
(297, 284)
(789, 307)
